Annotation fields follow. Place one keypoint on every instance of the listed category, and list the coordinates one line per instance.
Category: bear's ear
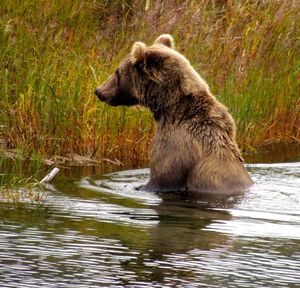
(138, 51)
(165, 39)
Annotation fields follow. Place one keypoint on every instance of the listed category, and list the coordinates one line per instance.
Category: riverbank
(54, 54)
(20, 180)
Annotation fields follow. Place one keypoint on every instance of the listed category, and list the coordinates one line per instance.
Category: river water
(95, 230)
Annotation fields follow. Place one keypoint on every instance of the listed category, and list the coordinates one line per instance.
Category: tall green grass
(54, 53)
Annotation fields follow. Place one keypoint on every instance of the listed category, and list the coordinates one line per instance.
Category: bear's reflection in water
(183, 216)
(166, 224)
(183, 226)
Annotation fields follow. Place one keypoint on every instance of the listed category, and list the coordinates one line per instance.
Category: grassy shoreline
(54, 53)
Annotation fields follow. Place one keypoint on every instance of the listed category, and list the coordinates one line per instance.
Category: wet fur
(194, 147)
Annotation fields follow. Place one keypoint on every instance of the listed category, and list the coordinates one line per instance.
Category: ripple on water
(104, 233)
(68, 259)
(270, 208)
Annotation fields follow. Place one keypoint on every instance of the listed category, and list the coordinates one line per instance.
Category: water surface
(99, 231)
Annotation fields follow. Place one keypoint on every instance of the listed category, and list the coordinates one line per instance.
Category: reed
(54, 53)
(18, 181)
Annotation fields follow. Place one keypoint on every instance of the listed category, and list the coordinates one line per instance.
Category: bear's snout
(99, 94)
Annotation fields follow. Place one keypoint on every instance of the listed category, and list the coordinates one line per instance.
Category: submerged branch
(50, 176)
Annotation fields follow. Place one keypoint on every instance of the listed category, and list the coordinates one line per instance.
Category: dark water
(98, 231)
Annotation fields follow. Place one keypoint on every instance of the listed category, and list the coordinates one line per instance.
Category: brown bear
(194, 148)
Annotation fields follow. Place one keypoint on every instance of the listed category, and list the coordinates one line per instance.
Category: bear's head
(154, 76)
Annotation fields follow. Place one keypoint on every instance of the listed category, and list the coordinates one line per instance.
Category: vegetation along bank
(54, 53)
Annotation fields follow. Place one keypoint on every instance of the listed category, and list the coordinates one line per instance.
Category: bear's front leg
(171, 161)
(163, 183)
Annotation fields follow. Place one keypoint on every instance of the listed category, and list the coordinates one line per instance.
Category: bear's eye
(118, 75)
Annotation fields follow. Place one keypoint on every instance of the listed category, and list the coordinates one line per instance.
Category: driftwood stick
(50, 176)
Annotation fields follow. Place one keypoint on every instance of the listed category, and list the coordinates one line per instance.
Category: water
(98, 231)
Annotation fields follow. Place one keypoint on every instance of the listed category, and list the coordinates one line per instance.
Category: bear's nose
(98, 93)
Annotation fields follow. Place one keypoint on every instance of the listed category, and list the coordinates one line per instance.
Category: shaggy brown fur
(194, 147)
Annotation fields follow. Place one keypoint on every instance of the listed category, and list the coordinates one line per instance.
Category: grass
(54, 53)
(21, 190)
(17, 185)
